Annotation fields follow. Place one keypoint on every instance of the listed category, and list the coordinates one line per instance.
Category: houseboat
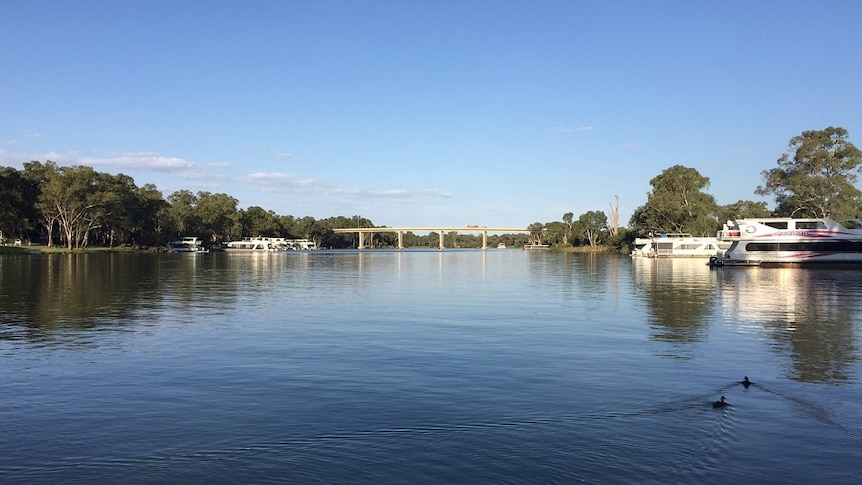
(678, 245)
(535, 247)
(789, 241)
(187, 244)
(254, 244)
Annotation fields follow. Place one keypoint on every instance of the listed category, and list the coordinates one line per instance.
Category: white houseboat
(254, 244)
(677, 245)
(777, 241)
(188, 244)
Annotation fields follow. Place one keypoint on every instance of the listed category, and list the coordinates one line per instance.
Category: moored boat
(253, 244)
(187, 244)
(789, 241)
(678, 245)
(535, 247)
(269, 244)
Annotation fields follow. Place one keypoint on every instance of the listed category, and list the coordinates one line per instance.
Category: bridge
(440, 230)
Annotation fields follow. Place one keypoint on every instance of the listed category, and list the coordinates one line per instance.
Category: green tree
(537, 232)
(557, 233)
(146, 216)
(677, 203)
(568, 220)
(115, 198)
(69, 197)
(593, 223)
(38, 175)
(180, 215)
(743, 209)
(816, 177)
(13, 203)
(217, 212)
(257, 221)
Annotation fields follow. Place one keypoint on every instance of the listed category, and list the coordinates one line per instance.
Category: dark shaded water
(454, 366)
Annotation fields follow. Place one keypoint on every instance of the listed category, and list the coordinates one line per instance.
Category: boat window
(810, 225)
(817, 246)
(776, 224)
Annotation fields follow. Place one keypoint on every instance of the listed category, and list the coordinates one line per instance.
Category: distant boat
(535, 247)
(254, 244)
(501, 246)
(269, 244)
(188, 244)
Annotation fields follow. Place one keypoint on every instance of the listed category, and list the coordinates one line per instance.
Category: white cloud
(282, 180)
(436, 193)
(291, 182)
(139, 160)
(130, 160)
(567, 130)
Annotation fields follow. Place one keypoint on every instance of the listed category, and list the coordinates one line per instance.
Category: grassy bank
(61, 249)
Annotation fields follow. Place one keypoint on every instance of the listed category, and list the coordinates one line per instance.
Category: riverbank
(59, 249)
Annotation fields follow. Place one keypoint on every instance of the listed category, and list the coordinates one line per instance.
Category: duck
(720, 403)
(745, 382)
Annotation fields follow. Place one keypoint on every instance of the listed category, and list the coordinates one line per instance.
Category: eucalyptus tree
(217, 212)
(180, 215)
(38, 175)
(146, 215)
(255, 221)
(537, 232)
(677, 203)
(115, 199)
(13, 203)
(568, 220)
(593, 223)
(558, 233)
(742, 209)
(303, 227)
(816, 176)
(69, 197)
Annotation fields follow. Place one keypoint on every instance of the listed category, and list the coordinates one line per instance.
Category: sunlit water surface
(501, 366)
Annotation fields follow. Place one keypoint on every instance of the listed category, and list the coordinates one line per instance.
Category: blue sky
(426, 112)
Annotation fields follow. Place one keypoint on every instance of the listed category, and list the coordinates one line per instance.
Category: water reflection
(680, 297)
(808, 314)
(58, 299)
(47, 295)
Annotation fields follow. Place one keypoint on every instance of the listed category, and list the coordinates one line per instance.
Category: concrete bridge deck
(440, 230)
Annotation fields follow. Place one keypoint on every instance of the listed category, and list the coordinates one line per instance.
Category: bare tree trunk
(615, 217)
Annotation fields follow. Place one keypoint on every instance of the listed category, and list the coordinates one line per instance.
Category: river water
(500, 366)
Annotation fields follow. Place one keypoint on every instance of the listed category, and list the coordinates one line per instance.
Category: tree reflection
(679, 295)
(809, 313)
(60, 299)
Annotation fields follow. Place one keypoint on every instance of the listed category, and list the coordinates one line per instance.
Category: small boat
(501, 246)
(188, 244)
(790, 241)
(535, 247)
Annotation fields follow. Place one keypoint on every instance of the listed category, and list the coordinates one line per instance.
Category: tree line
(77, 207)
